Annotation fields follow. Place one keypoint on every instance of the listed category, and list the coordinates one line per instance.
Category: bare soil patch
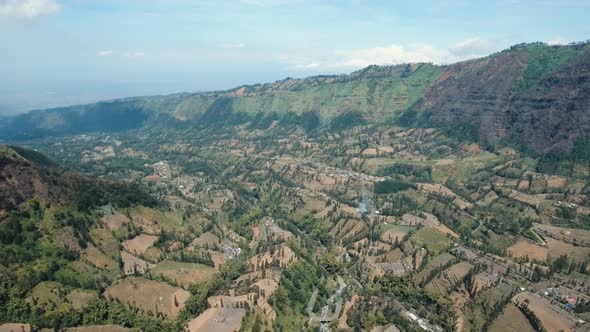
(217, 319)
(525, 248)
(79, 298)
(140, 244)
(349, 304)
(511, 320)
(115, 221)
(15, 327)
(150, 296)
(97, 328)
(556, 182)
(132, 264)
(207, 240)
(98, 258)
(281, 256)
(552, 317)
(567, 234)
(183, 274)
(433, 263)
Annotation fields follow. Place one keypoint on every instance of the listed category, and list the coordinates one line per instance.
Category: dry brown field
(183, 274)
(115, 221)
(511, 320)
(15, 327)
(568, 234)
(97, 328)
(552, 317)
(140, 244)
(206, 239)
(218, 320)
(148, 296)
(132, 264)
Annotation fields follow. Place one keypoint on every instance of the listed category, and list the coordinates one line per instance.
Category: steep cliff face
(554, 115)
(536, 96)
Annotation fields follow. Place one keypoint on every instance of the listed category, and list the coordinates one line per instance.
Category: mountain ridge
(516, 96)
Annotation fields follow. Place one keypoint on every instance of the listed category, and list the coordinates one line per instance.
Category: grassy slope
(542, 60)
(372, 96)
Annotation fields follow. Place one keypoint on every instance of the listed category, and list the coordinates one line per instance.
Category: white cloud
(236, 45)
(28, 8)
(134, 54)
(558, 41)
(307, 66)
(268, 3)
(473, 47)
(105, 53)
(390, 55)
(126, 54)
(253, 2)
(342, 60)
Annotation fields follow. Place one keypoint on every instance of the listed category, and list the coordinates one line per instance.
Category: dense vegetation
(93, 194)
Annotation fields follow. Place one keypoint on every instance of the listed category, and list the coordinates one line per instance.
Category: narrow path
(326, 316)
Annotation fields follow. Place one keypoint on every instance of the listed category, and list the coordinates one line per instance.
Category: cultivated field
(98, 258)
(115, 221)
(440, 189)
(79, 298)
(449, 277)
(431, 239)
(344, 317)
(153, 221)
(149, 296)
(434, 262)
(554, 249)
(566, 234)
(282, 256)
(532, 200)
(48, 294)
(552, 317)
(15, 327)
(97, 328)
(526, 248)
(105, 241)
(206, 240)
(218, 319)
(391, 233)
(183, 274)
(511, 320)
(429, 220)
(140, 244)
(132, 264)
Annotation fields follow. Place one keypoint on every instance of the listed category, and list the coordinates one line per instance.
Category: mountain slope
(57, 254)
(374, 91)
(26, 174)
(533, 96)
(22, 179)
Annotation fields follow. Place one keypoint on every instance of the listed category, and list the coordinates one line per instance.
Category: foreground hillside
(57, 256)
(534, 97)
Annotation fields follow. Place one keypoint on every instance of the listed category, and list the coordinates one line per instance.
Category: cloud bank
(28, 8)
(390, 55)
(126, 54)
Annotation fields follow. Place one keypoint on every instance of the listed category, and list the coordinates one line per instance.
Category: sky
(65, 52)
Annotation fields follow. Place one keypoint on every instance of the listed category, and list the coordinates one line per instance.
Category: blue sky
(63, 52)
